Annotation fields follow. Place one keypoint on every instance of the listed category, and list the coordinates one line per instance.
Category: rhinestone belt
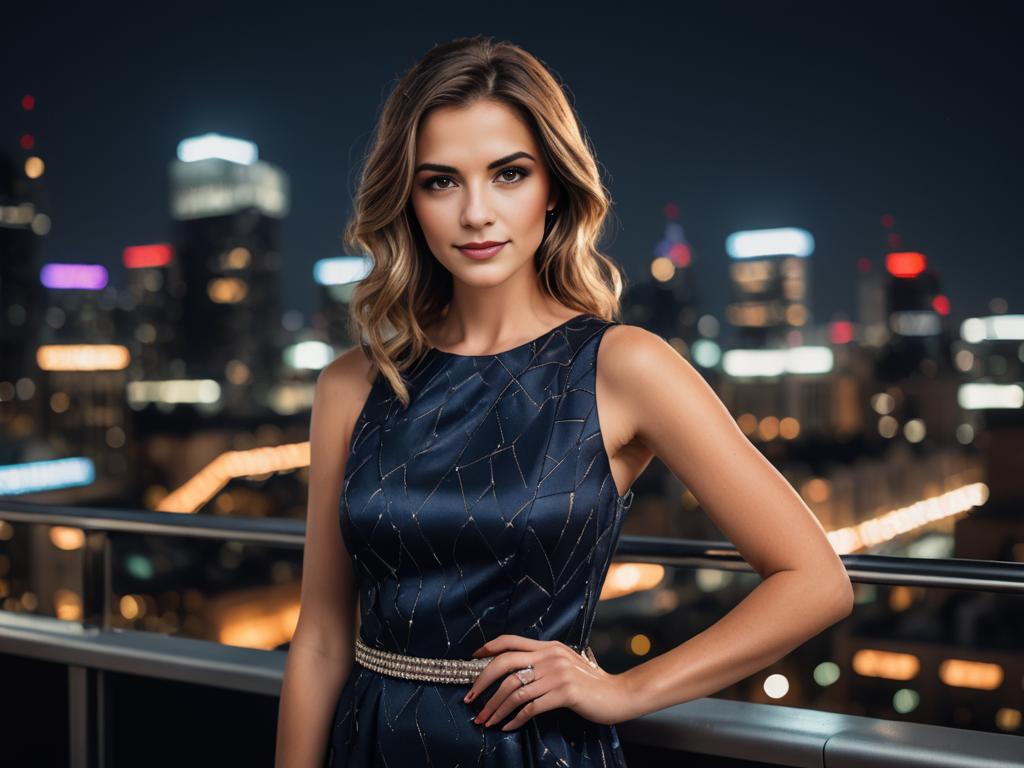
(456, 671)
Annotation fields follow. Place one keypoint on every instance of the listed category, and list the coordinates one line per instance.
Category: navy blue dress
(486, 507)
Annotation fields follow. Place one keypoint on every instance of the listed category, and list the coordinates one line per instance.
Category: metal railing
(729, 729)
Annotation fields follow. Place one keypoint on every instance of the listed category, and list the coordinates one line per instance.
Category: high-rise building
(84, 370)
(666, 304)
(156, 289)
(769, 271)
(20, 290)
(228, 206)
(916, 313)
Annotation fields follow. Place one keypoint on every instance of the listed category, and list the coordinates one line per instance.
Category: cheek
(525, 215)
(430, 216)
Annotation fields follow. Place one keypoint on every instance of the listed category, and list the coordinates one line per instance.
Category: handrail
(710, 726)
(942, 573)
(274, 531)
(738, 730)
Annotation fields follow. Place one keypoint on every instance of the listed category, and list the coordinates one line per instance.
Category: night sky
(746, 115)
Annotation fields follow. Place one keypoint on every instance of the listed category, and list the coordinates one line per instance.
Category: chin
(484, 275)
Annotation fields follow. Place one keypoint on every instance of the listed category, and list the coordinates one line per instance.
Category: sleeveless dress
(486, 507)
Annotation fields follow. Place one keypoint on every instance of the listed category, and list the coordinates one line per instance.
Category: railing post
(89, 718)
(96, 580)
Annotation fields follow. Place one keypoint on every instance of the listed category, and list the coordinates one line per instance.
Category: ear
(554, 197)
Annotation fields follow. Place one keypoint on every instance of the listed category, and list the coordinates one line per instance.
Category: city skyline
(908, 127)
(822, 336)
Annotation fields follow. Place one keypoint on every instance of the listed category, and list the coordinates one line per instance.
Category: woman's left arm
(673, 411)
(806, 589)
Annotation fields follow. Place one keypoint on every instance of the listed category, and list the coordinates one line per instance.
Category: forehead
(474, 135)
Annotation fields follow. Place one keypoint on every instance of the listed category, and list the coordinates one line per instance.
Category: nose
(477, 212)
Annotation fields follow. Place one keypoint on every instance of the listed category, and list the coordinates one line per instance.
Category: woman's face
(473, 184)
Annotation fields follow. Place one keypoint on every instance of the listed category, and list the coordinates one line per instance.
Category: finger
(517, 697)
(540, 704)
(500, 698)
(504, 643)
(497, 668)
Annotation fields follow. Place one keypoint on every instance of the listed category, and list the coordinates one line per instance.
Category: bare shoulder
(645, 378)
(350, 368)
(623, 340)
(345, 382)
(629, 352)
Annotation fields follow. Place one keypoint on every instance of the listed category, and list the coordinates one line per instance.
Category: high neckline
(517, 348)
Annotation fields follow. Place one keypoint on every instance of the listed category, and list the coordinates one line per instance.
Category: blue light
(48, 475)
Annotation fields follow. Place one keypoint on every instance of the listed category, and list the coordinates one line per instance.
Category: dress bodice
(487, 506)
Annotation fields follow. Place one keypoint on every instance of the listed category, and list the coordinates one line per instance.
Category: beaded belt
(456, 671)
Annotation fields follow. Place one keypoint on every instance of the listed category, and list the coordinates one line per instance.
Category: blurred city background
(818, 208)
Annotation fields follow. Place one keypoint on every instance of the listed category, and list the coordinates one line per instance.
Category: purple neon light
(85, 277)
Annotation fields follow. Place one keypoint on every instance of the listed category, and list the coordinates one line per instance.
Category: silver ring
(521, 674)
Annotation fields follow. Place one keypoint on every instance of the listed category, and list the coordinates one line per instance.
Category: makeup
(481, 254)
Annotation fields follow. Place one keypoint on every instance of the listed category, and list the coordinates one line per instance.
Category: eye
(522, 173)
(427, 184)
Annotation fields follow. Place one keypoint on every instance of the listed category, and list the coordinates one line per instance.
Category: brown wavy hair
(407, 288)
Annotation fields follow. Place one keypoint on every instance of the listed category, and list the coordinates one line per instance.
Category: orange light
(889, 665)
(207, 483)
(83, 357)
(905, 263)
(156, 255)
(968, 673)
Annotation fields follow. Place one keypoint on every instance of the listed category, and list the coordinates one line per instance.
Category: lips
(482, 253)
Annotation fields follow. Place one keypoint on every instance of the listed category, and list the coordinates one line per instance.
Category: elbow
(844, 599)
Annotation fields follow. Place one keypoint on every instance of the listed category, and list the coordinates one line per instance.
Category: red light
(679, 254)
(894, 240)
(671, 211)
(139, 256)
(28, 102)
(941, 304)
(905, 263)
(27, 141)
(840, 332)
(864, 264)
(888, 220)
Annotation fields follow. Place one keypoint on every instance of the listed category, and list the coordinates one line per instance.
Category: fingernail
(469, 696)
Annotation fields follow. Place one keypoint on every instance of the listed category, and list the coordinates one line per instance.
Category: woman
(480, 493)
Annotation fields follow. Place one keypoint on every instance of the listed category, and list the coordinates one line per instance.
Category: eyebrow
(453, 169)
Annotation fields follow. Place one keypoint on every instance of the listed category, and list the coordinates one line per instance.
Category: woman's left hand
(562, 678)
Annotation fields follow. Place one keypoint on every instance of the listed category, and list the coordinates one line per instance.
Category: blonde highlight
(407, 289)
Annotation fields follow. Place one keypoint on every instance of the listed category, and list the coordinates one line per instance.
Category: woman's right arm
(321, 652)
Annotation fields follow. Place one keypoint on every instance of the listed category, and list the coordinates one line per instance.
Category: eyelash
(521, 171)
